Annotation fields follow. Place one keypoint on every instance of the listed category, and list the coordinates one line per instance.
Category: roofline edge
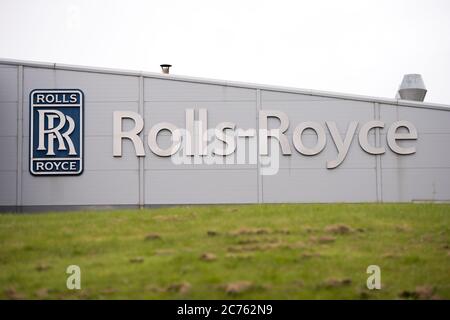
(327, 94)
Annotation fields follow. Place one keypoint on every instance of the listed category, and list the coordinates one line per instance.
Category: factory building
(76, 137)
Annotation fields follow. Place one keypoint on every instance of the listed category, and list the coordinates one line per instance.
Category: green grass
(282, 257)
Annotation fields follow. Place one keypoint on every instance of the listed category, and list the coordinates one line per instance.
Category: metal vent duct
(412, 88)
(165, 68)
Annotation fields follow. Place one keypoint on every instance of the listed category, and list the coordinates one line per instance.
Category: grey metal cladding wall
(306, 178)
(9, 99)
(106, 180)
(167, 183)
(425, 175)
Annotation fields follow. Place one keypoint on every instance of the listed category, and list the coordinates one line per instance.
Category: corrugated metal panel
(8, 134)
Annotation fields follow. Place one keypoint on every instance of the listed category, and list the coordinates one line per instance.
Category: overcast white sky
(361, 47)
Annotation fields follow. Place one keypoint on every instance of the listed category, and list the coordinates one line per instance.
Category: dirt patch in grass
(427, 238)
(363, 294)
(338, 229)
(108, 291)
(390, 255)
(309, 255)
(238, 287)
(154, 288)
(283, 231)
(309, 229)
(152, 236)
(254, 240)
(182, 288)
(335, 283)
(265, 246)
(137, 260)
(13, 294)
(420, 293)
(207, 256)
(259, 231)
(245, 248)
(250, 231)
(402, 228)
(43, 267)
(248, 241)
(42, 293)
(239, 255)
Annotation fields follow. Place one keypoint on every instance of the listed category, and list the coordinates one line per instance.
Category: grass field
(230, 252)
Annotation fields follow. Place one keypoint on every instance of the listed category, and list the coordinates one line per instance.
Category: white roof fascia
(390, 101)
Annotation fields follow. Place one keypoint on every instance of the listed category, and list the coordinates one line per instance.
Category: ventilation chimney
(165, 68)
(412, 88)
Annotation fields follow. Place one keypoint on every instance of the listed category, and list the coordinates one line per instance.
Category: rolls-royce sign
(56, 132)
(56, 139)
(197, 140)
